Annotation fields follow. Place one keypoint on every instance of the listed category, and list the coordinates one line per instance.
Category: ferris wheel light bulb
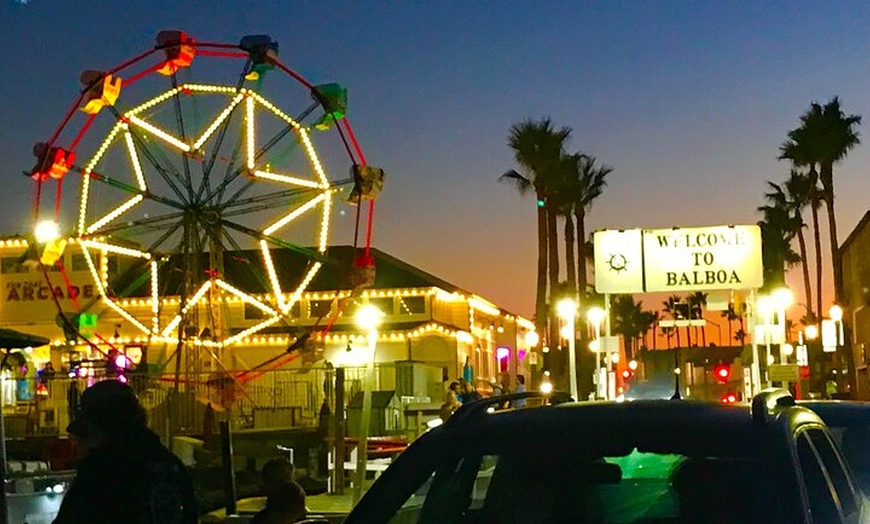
(46, 231)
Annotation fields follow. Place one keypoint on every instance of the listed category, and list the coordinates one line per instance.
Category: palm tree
(671, 307)
(537, 147)
(697, 301)
(564, 204)
(825, 137)
(590, 184)
(649, 321)
(740, 335)
(794, 195)
(778, 229)
(730, 315)
(627, 320)
(669, 334)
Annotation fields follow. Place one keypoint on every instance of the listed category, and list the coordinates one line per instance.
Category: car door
(830, 489)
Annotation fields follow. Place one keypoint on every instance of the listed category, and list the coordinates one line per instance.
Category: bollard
(227, 465)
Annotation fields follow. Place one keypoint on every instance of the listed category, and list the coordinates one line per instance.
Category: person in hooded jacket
(126, 475)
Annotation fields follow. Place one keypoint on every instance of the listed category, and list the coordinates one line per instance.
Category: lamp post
(765, 307)
(611, 376)
(836, 314)
(368, 318)
(835, 338)
(596, 315)
(782, 299)
(567, 311)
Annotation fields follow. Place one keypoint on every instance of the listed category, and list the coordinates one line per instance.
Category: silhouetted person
(285, 505)
(209, 423)
(276, 472)
(126, 474)
(470, 393)
(520, 388)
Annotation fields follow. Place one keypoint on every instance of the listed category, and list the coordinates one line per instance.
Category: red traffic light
(728, 398)
(627, 374)
(722, 372)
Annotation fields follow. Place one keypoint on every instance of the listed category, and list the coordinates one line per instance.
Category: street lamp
(46, 231)
(546, 385)
(567, 311)
(596, 315)
(532, 339)
(368, 318)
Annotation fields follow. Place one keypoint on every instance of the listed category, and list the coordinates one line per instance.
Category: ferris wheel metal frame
(200, 213)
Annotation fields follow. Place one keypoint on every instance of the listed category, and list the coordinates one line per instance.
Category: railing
(278, 398)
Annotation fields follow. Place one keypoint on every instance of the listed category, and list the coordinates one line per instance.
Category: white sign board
(702, 258)
(829, 336)
(783, 373)
(618, 261)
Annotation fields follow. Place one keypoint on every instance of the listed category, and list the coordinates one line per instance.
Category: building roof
(864, 222)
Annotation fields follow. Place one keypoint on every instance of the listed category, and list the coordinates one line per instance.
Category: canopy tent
(12, 339)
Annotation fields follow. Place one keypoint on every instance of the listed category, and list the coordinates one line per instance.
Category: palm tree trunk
(553, 249)
(805, 269)
(580, 219)
(541, 296)
(570, 268)
(817, 245)
(553, 269)
(827, 178)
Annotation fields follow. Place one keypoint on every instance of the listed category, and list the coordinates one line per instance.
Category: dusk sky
(688, 102)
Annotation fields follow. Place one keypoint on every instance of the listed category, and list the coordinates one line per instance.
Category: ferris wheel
(193, 157)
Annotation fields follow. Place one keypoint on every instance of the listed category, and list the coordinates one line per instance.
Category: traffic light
(627, 374)
(728, 398)
(722, 372)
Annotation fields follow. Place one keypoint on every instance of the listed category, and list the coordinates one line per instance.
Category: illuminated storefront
(427, 320)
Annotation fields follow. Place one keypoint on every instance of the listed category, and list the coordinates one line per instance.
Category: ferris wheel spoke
(286, 193)
(205, 183)
(280, 200)
(168, 175)
(311, 254)
(233, 175)
(153, 247)
(185, 160)
(157, 223)
(136, 191)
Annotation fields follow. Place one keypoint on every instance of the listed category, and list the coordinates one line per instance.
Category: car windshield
(639, 487)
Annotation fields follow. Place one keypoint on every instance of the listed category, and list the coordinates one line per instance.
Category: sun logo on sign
(618, 263)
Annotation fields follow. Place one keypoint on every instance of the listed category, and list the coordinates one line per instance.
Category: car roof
(664, 426)
(840, 413)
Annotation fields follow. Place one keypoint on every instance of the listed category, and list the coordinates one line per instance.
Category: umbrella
(11, 339)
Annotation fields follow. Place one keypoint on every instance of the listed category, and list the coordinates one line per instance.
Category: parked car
(849, 422)
(647, 461)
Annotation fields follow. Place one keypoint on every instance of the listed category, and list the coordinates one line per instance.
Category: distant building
(855, 253)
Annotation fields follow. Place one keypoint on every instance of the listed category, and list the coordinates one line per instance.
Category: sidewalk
(333, 507)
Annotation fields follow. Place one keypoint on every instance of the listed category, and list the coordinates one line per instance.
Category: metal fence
(277, 398)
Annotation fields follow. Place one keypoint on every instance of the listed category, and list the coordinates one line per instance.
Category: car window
(836, 472)
(640, 487)
(823, 505)
(854, 443)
